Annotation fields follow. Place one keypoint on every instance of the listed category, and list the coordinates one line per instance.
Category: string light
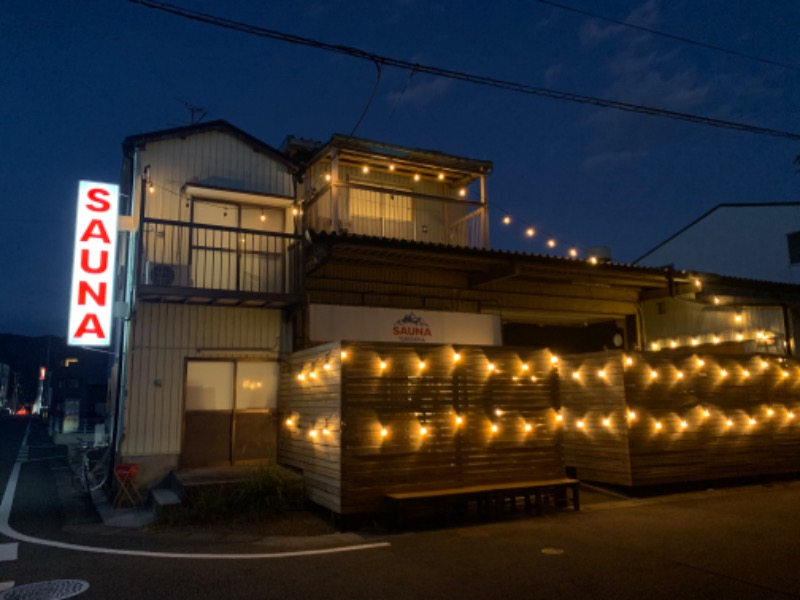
(440, 177)
(631, 415)
(416, 177)
(459, 420)
(506, 220)
(422, 365)
(328, 177)
(289, 422)
(524, 366)
(628, 361)
(573, 252)
(423, 430)
(601, 374)
(528, 427)
(576, 375)
(495, 428)
(391, 167)
(607, 422)
(684, 424)
(462, 192)
(365, 170)
(490, 367)
(456, 357)
(301, 377)
(770, 412)
(384, 432)
(383, 365)
(343, 354)
(658, 425)
(312, 433)
(551, 243)
(580, 424)
(530, 232)
(679, 374)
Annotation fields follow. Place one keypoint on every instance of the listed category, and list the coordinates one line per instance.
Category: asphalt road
(732, 543)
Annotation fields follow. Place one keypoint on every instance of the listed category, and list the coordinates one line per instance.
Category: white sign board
(330, 323)
(93, 265)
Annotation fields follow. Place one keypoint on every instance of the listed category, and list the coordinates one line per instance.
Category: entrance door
(229, 415)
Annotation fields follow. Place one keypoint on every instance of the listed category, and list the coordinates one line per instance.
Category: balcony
(206, 264)
(397, 214)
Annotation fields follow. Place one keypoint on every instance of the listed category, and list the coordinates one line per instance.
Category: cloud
(596, 31)
(420, 92)
(607, 161)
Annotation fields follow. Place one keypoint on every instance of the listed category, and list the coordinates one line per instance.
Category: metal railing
(396, 214)
(209, 257)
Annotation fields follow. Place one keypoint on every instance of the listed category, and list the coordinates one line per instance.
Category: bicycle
(92, 469)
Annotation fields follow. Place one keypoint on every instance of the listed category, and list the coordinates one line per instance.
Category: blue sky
(78, 77)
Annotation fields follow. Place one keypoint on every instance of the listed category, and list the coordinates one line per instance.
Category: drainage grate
(46, 590)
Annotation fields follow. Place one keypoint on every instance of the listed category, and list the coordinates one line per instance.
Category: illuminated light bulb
(752, 421)
(525, 366)
(601, 374)
(553, 360)
(593, 260)
(416, 176)
(528, 427)
(673, 344)
(684, 424)
(654, 346)
(559, 417)
(506, 220)
(295, 212)
(423, 430)
(551, 243)
(706, 412)
(312, 375)
(738, 317)
(607, 422)
(384, 432)
(653, 374)
(715, 339)
(764, 364)
(790, 415)
(312, 433)
(580, 424)
(716, 300)
(695, 341)
(770, 412)
(343, 354)
(701, 362)
(327, 366)
(514, 378)
(459, 420)
(391, 167)
(263, 216)
(289, 422)
(629, 360)
(462, 192)
(576, 375)
(383, 364)
(679, 375)
(325, 430)
(456, 357)
(495, 428)
(327, 177)
(659, 425)
(745, 373)
(498, 412)
(301, 377)
(573, 252)
(533, 377)
(729, 422)
(785, 374)
(723, 373)
(440, 177)
(631, 415)
(761, 335)
(422, 365)
(491, 367)
(698, 283)
(530, 232)
(739, 337)
(365, 169)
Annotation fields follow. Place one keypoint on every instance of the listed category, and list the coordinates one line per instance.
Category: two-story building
(337, 308)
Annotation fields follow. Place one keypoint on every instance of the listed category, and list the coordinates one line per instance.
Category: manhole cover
(46, 590)
(552, 551)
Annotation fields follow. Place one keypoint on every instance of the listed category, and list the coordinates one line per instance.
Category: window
(793, 239)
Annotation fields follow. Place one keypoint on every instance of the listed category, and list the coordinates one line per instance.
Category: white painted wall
(740, 241)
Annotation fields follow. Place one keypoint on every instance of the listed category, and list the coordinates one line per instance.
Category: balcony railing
(397, 214)
(179, 259)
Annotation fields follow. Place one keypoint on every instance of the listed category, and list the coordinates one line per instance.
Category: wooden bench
(491, 498)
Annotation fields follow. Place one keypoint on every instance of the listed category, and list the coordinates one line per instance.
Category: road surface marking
(7, 530)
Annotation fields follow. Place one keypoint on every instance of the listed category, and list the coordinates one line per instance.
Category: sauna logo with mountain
(412, 328)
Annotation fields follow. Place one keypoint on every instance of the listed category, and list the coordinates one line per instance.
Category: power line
(670, 36)
(461, 75)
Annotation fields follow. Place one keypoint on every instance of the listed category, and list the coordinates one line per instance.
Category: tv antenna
(196, 113)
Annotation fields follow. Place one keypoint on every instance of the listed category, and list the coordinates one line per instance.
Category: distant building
(754, 241)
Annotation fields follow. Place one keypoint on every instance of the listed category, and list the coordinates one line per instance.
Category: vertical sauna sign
(93, 265)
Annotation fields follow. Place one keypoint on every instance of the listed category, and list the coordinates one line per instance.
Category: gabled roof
(139, 141)
(708, 213)
(431, 158)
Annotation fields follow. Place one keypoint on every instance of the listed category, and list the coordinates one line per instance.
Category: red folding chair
(125, 474)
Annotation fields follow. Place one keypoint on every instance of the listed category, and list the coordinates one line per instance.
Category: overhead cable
(671, 36)
(460, 75)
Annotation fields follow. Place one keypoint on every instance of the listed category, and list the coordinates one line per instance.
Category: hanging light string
(553, 243)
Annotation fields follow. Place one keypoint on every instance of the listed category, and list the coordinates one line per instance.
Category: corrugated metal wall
(211, 159)
(164, 335)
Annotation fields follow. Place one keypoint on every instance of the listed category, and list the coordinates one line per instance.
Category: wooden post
(484, 215)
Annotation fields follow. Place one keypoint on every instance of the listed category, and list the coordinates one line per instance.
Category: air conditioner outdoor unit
(167, 275)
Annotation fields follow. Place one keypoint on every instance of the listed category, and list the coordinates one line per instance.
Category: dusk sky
(76, 78)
